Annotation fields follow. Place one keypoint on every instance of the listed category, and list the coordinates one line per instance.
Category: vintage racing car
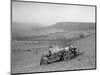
(60, 55)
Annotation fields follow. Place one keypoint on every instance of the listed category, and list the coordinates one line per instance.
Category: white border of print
(5, 37)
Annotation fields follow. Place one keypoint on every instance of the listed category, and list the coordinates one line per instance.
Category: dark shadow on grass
(81, 53)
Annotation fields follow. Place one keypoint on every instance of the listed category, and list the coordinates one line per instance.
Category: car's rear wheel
(66, 56)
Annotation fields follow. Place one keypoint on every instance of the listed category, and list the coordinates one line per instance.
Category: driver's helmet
(72, 46)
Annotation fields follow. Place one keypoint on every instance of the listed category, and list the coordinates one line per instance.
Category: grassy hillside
(70, 26)
(28, 61)
(36, 32)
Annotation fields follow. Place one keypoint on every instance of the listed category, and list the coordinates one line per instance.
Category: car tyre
(66, 56)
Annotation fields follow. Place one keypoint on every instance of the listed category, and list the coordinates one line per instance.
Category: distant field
(26, 54)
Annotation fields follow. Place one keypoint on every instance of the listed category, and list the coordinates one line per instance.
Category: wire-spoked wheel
(66, 56)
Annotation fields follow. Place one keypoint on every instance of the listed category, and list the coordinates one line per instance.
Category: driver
(69, 48)
(72, 50)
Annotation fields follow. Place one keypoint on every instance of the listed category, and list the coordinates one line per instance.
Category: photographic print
(52, 37)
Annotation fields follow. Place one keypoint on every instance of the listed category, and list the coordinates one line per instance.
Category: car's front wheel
(66, 56)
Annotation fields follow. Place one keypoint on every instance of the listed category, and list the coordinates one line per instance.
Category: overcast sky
(48, 14)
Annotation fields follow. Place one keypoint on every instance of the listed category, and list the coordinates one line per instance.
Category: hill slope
(21, 30)
(69, 26)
